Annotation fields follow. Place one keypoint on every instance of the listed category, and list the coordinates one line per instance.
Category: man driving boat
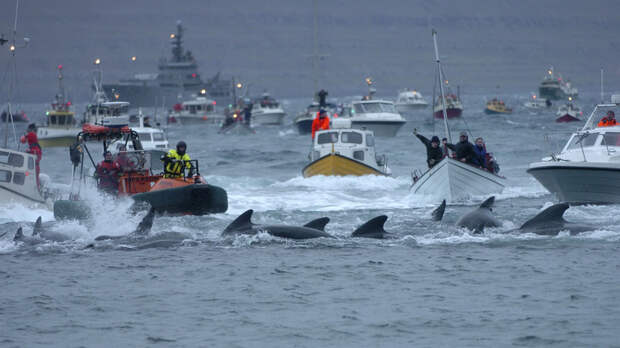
(174, 161)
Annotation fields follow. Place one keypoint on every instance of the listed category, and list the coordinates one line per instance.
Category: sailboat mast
(9, 114)
(443, 96)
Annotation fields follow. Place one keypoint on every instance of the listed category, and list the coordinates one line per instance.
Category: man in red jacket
(107, 174)
(33, 146)
(321, 122)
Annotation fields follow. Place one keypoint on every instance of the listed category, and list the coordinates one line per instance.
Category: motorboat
(151, 138)
(587, 170)
(141, 178)
(451, 103)
(101, 111)
(379, 116)
(409, 101)
(235, 124)
(267, 111)
(303, 121)
(537, 104)
(451, 179)
(199, 110)
(555, 87)
(18, 180)
(61, 126)
(568, 112)
(343, 150)
(496, 106)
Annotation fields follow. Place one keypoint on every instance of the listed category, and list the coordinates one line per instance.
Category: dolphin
(143, 228)
(39, 235)
(439, 211)
(480, 218)
(550, 222)
(313, 229)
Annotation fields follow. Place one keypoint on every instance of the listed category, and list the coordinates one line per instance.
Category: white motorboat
(537, 104)
(303, 121)
(267, 111)
(150, 137)
(587, 170)
(379, 116)
(18, 180)
(61, 127)
(102, 112)
(342, 150)
(409, 101)
(568, 112)
(200, 110)
(450, 179)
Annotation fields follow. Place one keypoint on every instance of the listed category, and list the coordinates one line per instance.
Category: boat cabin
(198, 106)
(108, 114)
(60, 119)
(18, 180)
(373, 107)
(409, 97)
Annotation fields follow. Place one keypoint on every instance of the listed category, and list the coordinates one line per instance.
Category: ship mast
(443, 97)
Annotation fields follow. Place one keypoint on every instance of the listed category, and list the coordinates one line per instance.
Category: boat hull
(456, 181)
(237, 128)
(337, 165)
(380, 128)
(268, 119)
(450, 112)
(8, 196)
(567, 118)
(194, 199)
(196, 120)
(406, 108)
(579, 182)
(490, 111)
(304, 125)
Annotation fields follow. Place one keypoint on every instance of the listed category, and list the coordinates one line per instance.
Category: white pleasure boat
(150, 137)
(267, 111)
(200, 110)
(18, 179)
(451, 179)
(409, 101)
(537, 104)
(379, 116)
(587, 170)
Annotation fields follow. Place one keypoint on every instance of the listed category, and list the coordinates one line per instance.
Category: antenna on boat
(443, 97)
(602, 94)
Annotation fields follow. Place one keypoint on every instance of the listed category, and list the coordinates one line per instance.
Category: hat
(322, 111)
(463, 133)
(611, 113)
(446, 139)
(435, 139)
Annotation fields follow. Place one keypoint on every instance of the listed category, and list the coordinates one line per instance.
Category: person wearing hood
(433, 152)
(176, 160)
(33, 147)
(465, 150)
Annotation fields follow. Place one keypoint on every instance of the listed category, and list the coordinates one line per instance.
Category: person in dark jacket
(433, 151)
(465, 150)
(322, 98)
(480, 158)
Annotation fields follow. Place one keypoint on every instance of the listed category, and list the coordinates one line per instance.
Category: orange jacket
(605, 122)
(319, 124)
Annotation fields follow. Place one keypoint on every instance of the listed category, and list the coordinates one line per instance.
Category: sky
(487, 47)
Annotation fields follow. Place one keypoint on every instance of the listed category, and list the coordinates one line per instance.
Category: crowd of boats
(583, 172)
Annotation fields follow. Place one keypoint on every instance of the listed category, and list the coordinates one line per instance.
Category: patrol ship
(178, 78)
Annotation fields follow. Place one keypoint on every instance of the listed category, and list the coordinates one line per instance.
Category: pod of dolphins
(549, 221)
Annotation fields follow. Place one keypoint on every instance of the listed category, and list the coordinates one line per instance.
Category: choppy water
(432, 285)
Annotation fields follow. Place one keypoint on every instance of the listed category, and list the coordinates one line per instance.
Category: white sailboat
(451, 179)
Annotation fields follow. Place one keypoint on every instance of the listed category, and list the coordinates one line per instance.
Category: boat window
(585, 140)
(611, 139)
(61, 120)
(198, 107)
(359, 109)
(326, 138)
(52, 119)
(370, 140)
(210, 108)
(30, 163)
(351, 138)
(158, 136)
(372, 108)
(388, 108)
(16, 160)
(4, 157)
(358, 155)
(5, 176)
(144, 136)
(19, 178)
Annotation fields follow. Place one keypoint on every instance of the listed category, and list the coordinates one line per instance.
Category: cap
(322, 111)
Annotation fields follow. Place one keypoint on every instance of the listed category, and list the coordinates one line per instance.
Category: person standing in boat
(321, 122)
(247, 112)
(107, 173)
(433, 152)
(322, 98)
(33, 147)
(175, 160)
(609, 120)
(464, 149)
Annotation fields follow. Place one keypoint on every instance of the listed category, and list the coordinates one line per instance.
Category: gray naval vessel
(178, 78)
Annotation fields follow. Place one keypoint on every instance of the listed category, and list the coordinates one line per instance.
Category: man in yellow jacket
(174, 161)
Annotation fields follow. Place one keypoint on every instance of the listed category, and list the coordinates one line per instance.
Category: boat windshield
(600, 111)
(351, 138)
(144, 136)
(328, 137)
(131, 161)
(584, 139)
(12, 159)
(158, 136)
(362, 108)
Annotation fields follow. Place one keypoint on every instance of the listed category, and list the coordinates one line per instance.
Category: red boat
(454, 108)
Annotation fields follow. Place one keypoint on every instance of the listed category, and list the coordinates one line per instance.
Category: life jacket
(174, 164)
(107, 173)
(320, 124)
(606, 122)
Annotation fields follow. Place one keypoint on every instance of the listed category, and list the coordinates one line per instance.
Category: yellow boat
(496, 106)
(345, 151)
(61, 128)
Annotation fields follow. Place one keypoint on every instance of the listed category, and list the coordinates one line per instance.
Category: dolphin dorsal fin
(318, 224)
(19, 234)
(144, 227)
(438, 212)
(488, 203)
(242, 222)
(373, 228)
(36, 229)
(553, 213)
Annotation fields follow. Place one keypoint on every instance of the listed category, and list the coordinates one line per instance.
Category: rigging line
(13, 90)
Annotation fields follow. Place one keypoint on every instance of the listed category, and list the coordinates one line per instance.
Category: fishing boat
(409, 101)
(267, 111)
(568, 112)
(61, 127)
(451, 103)
(537, 104)
(451, 179)
(101, 111)
(555, 87)
(198, 110)
(587, 169)
(142, 179)
(342, 150)
(235, 124)
(379, 116)
(12, 116)
(303, 121)
(496, 106)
